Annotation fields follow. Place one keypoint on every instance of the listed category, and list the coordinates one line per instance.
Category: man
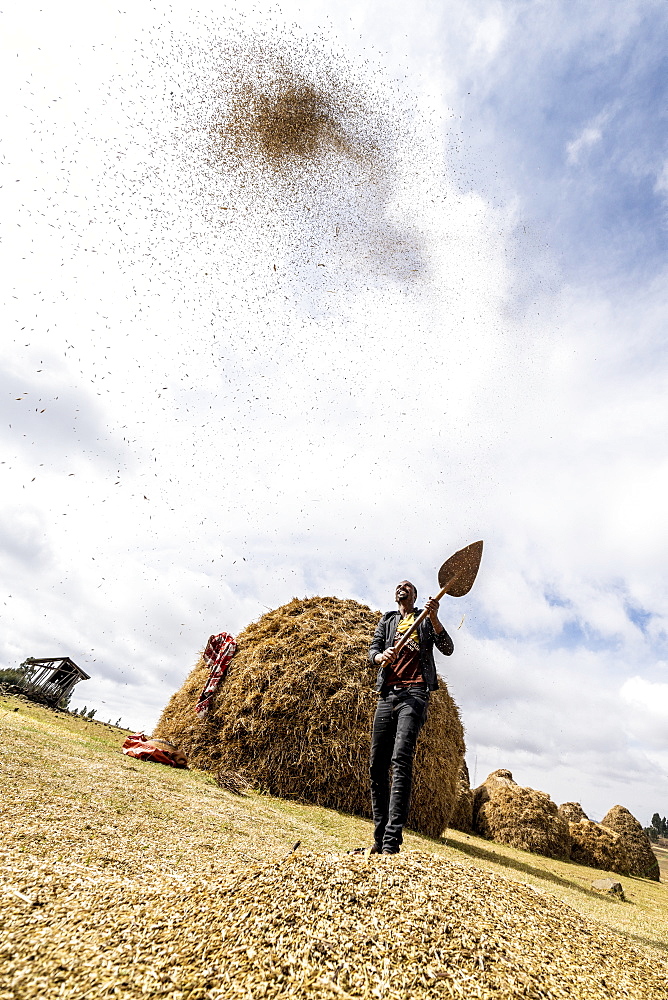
(404, 683)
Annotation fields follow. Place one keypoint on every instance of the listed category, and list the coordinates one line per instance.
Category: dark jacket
(383, 638)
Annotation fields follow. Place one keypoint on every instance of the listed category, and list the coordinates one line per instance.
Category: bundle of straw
(462, 814)
(521, 817)
(640, 858)
(597, 847)
(572, 812)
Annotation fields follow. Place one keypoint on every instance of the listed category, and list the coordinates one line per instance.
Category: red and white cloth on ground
(218, 655)
(139, 745)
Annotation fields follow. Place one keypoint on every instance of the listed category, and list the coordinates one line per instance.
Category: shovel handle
(421, 617)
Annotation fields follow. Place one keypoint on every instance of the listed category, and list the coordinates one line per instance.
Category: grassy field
(77, 812)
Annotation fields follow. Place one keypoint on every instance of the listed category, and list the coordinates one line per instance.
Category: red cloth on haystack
(217, 656)
(138, 745)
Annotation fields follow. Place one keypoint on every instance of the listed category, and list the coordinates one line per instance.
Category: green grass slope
(127, 879)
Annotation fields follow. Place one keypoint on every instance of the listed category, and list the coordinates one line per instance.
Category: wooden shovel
(455, 578)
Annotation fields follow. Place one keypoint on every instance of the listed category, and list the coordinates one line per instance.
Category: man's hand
(389, 656)
(431, 607)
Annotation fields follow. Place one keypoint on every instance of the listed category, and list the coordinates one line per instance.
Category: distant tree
(26, 669)
(91, 714)
(664, 827)
(657, 823)
(117, 723)
(10, 676)
(651, 833)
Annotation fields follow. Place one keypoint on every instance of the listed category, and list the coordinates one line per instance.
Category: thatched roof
(521, 817)
(640, 858)
(294, 715)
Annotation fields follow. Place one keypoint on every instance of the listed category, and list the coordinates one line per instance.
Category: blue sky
(200, 421)
(572, 110)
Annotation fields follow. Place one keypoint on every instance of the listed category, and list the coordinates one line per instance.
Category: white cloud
(490, 33)
(582, 144)
(647, 705)
(661, 184)
(589, 137)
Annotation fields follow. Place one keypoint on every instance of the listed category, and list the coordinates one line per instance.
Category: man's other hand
(431, 607)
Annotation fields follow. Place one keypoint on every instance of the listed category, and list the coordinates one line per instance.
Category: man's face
(405, 591)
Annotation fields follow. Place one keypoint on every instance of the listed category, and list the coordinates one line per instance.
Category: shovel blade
(460, 570)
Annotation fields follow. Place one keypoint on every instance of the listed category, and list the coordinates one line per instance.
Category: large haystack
(641, 859)
(521, 817)
(462, 814)
(572, 812)
(294, 715)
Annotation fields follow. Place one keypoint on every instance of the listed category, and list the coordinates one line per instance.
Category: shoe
(389, 852)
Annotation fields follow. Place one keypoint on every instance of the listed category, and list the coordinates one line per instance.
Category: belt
(407, 687)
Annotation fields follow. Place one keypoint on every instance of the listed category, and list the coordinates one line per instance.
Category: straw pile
(462, 815)
(312, 925)
(640, 859)
(572, 812)
(521, 817)
(293, 715)
(596, 846)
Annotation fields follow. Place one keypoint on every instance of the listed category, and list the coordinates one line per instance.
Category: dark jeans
(399, 718)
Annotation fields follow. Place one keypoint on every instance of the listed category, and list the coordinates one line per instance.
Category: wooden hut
(51, 679)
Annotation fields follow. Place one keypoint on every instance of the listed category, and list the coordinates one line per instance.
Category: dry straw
(462, 815)
(597, 847)
(617, 844)
(521, 817)
(293, 715)
(640, 858)
(572, 812)
(291, 107)
(280, 125)
(296, 153)
(308, 927)
(131, 881)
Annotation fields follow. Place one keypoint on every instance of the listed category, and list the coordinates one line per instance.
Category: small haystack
(462, 815)
(293, 715)
(592, 844)
(520, 817)
(641, 859)
(597, 847)
(572, 812)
